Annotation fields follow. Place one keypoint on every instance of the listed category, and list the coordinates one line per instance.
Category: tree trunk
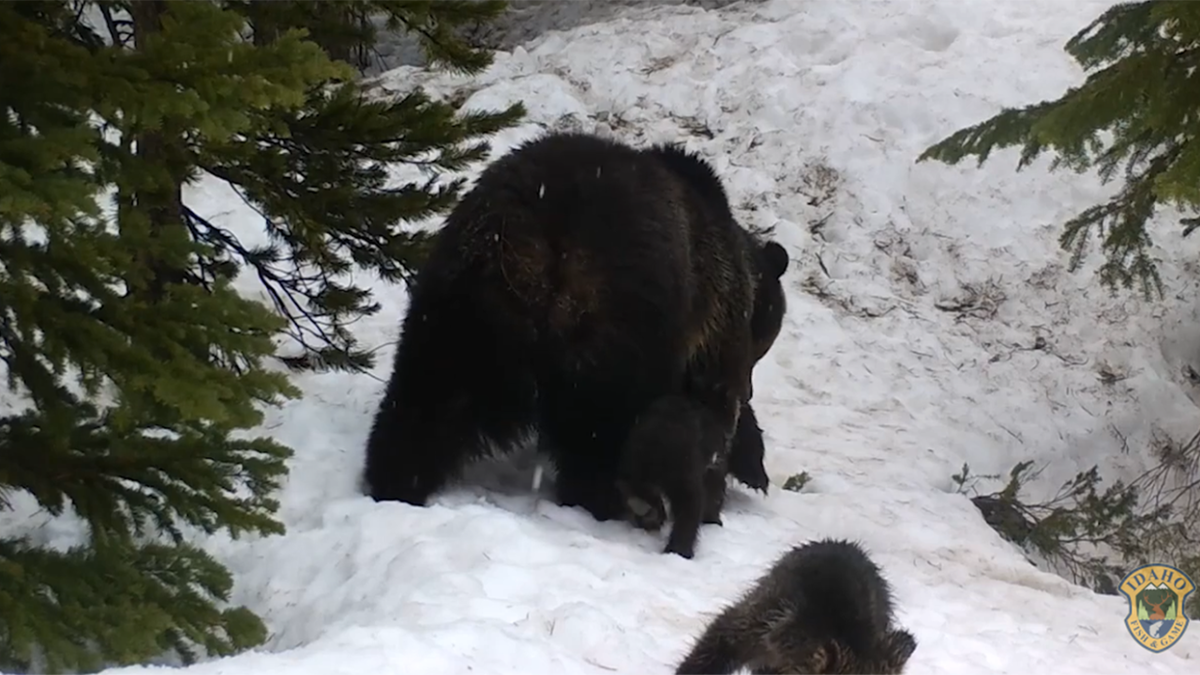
(160, 203)
(263, 24)
(340, 28)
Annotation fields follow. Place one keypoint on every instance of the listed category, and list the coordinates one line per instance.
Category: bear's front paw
(686, 551)
(646, 515)
(413, 491)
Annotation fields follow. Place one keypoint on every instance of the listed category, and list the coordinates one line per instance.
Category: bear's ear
(900, 647)
(824, 657)
(776, 258)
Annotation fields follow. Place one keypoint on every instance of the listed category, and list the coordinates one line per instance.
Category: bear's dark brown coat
(576, 282)
(745, 460)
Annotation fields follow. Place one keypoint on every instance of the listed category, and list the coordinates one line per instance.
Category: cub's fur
(823, 607)
(666, 455)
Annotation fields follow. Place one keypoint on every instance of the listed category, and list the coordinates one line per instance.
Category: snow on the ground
(871, 389)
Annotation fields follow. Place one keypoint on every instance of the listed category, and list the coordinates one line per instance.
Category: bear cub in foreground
(823, 607)
(667, 454)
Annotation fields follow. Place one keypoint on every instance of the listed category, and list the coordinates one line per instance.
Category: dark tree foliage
(134, 365)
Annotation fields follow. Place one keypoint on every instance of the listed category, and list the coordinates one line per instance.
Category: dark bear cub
(667, 454)
(823, 607)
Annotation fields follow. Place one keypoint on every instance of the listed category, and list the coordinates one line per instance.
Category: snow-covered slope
(813, 111)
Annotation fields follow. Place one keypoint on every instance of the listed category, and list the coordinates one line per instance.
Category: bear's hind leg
(597, 377)
(587, 472)
(584, 431)
(715, 490)
(687, 499)
(460, 383)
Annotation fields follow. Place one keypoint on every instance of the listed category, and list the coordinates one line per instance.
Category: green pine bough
(117, 603)
(1136, 114)
(136, 371)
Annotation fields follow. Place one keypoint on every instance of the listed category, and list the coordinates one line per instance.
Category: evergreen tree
(1137, 111)
(347, 30)
(138, 363)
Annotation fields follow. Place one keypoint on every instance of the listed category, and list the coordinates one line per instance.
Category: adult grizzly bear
(577, 281)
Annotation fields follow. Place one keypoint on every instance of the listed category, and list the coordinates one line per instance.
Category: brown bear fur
(667, 454)
(823, 607)
(744, 459)
(576, 282)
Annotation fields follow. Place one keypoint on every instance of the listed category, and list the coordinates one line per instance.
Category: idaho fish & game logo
(1157, 594)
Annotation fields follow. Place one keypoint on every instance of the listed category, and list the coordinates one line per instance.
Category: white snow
(871, 389)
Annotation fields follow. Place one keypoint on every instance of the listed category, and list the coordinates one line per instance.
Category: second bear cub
(667, 454)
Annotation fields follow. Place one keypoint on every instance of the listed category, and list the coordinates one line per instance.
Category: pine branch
(319, 180)
(120, 32)
(1119, 32)
(138, 480)
(1082, 531)
(434, 23)
(142, 350)
(89, 607)
(1145, 64)
(1122, 221)
(1012, 126)
(324, 339)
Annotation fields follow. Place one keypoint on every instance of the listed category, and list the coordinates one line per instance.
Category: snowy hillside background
(813, 111)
